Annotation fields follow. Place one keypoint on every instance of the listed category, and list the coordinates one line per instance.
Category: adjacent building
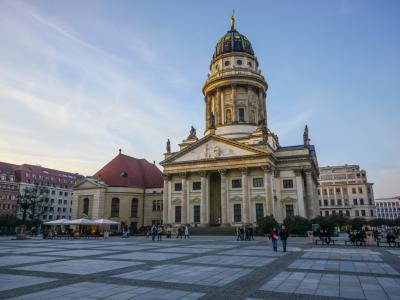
(8, 190)
(237, 173)
(127, 190)
(345, 191)
(14, 179)
(388, 208)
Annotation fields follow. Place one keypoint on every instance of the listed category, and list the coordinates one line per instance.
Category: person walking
(284, 234)
(153, 232)
(159, 233)
(187, 232)
(274, 238)
(179, 234)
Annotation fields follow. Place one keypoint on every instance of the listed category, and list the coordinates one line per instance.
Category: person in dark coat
(284, 234)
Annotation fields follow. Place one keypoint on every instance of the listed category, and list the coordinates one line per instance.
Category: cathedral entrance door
(215, 199)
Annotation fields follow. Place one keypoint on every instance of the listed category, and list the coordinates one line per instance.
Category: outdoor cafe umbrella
(57, 222)
(105, 222)
(81, 221)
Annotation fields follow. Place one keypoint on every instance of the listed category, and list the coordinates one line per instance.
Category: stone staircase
(213, 230)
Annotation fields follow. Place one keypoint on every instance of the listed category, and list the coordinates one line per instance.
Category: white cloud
(79, 101)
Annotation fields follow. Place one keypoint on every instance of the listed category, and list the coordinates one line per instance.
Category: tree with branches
(32, 200)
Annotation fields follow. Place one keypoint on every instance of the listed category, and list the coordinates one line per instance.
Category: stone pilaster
(245, 196)
(310, 195)
(268, 190)
(300, 193)
(224, 200)
(169, 197)
(184, 199)
(234, 108)
(75, 205)
(203, 198)
(165, 200)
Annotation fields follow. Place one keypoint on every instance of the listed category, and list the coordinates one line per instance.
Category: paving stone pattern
(195, 268)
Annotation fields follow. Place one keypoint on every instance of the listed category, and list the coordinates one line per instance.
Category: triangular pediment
(214, 147)
(89, 183)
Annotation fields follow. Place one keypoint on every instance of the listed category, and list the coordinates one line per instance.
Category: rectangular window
(360, 190)
(237, 213)
(289, 210)
(361, 201)
(347, 213)
(196, 185)
(357, 213)
(325, 202)
(326, 213)
(325, 192)
(241, 114)
(287, 183)
(258, 182)
(178, 187)
(339, 201)
(354, 191)
(134, 207)
(196, 213)
(236, 183)
(363, 213)
(372, 213)
(340, 213)
(320, 203)
(355, 201)
(319, 192)
(332, 202)
(178, 214)
(154, 205)
(159, 205)
(337, 191)
(259, 211)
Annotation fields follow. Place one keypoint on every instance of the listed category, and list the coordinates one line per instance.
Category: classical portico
(237, 172)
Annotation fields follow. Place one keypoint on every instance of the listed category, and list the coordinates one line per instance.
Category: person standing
(153, 232)
(159, 233)
(284, 234)
(187, 232)
(274, 238)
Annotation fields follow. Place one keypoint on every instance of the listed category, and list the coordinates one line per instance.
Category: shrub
(266, 224)
(297, 225)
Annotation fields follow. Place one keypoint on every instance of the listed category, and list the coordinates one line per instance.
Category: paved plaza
(198, 268)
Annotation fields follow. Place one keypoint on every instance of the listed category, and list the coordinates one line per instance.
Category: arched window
(228, 116)
(86, 206)
(115, 207)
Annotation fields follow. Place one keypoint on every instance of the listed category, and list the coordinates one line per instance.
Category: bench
(396, 243)
(322, 242)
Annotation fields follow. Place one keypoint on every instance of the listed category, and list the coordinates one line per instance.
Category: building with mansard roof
(237, 172)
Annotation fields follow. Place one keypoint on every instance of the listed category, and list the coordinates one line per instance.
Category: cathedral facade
(237, 173)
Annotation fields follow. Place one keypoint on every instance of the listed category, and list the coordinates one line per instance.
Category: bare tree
(32, 200)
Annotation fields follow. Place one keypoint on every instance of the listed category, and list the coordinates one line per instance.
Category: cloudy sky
(81, 79)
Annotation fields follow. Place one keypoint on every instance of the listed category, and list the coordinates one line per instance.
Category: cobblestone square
(196, 268)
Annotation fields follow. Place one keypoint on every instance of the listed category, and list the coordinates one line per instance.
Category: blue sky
(80, 79)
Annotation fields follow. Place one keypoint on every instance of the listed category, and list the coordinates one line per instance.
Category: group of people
(158, 231)
(281, 234)
(244, 233)
(358, 237)
(325, 236)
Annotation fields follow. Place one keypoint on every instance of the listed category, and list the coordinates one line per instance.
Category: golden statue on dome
(233, 20)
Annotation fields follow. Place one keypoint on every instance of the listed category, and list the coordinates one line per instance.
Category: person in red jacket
(274, 238)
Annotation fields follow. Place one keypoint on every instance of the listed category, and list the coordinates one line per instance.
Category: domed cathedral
(237, 173)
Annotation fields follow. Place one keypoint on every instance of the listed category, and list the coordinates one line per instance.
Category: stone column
(207, 200)
(75, 205)
(234, 117)
(217, 103)
(188, 182)
(165, 200)
(203, 198)
(169, 197)
(222, 107)
(268, 190)
(224, 200)
(245, 190)
(263, 109)
(309, 194)
(300, 193)
(183, 199)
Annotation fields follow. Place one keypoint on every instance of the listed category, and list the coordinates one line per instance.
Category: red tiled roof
(128, 171)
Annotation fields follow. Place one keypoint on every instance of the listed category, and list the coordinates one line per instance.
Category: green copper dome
(233, 41)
